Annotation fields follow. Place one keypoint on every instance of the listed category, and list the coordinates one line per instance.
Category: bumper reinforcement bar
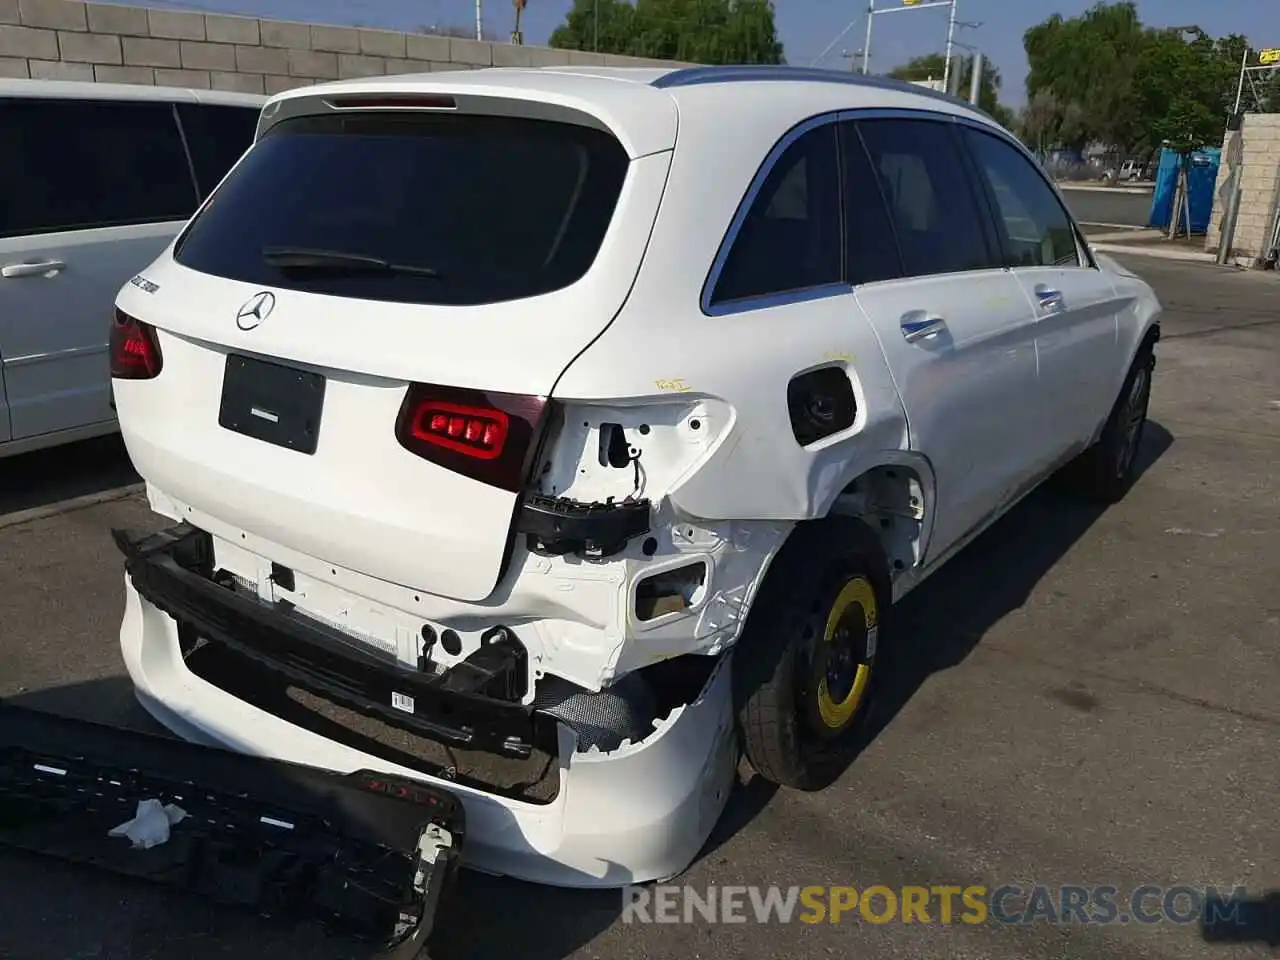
(367, 855)
(172, 570)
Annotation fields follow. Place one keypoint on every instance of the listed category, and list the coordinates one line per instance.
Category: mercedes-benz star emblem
(255, 310)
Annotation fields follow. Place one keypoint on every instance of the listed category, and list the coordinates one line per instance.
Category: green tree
(694, 31)
(1046, 122)
(614, 28)
(1089, 62)
(1131, 86)
(1185, 87)
(933, 65)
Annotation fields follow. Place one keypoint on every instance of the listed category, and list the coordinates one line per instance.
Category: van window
(459, 210)
(217, 135)
(790, 238)
(76, 164)
(931, 197)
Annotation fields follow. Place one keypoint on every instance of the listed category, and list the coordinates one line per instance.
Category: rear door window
(217, 136)
(790, 238)
(422, 209)
(77, 164)
(932, 201)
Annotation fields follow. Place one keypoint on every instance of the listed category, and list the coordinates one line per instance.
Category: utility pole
(595, 26)
(975, 80)
(866, 45)
(951, 33)
(479, 20)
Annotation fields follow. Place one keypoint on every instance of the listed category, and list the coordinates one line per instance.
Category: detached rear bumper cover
(363, 853)
(630, 815)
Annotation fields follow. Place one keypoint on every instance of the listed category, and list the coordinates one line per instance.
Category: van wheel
(804, 667)
(1106, 471)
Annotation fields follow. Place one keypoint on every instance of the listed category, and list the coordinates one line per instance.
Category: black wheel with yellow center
(842, 660)
(805, 665)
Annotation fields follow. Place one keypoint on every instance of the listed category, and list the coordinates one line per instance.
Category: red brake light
(135, 351)
(478, 432)
(394, 101)
(487, 436)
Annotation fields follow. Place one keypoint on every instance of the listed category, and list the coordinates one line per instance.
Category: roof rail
(738, 73)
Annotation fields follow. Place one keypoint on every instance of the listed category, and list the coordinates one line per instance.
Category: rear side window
(790, 238)
(1036, 230)
(405, 208)
(217, 135)
(76, 164)
(930, 196)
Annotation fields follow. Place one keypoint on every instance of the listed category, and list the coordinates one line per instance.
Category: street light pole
(872, 13)
(1244, 63)
(866, 46)
(951, 33)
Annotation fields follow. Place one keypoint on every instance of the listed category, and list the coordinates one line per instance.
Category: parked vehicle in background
(96, 179)
(1130, 170)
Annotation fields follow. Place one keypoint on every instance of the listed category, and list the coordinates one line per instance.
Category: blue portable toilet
(1202, 176)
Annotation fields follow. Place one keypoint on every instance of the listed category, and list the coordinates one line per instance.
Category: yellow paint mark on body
(673, 384)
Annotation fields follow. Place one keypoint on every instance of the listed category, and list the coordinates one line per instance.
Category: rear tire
(1106, 471)
(804, 677)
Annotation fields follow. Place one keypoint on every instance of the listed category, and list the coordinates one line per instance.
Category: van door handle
(919, 325)
(12, 270)
(1049, 298)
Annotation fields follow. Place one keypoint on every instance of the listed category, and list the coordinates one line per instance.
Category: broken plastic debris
(150, 825)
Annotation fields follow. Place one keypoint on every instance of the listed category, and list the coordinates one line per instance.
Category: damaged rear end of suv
(393, 546)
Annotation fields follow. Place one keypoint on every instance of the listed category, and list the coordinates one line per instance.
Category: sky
(807, 27)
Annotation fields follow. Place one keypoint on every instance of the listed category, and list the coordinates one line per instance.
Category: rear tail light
(135, 351)
(490, 437)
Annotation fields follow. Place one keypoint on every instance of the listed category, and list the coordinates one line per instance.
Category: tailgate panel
(360, 501)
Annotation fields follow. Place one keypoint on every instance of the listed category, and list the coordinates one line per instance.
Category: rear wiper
(336, 261)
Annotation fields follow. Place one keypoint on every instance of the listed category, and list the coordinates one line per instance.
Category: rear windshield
(455, 210)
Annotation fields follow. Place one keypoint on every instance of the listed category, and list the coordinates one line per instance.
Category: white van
(96, 179)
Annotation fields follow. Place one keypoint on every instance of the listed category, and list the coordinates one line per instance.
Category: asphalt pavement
(1108, 206)
(1083, 696)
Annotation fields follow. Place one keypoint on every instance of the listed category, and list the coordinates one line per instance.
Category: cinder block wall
(1260, 188)
(72, 40)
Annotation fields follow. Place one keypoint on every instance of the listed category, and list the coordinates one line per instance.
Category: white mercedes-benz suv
(559, 435)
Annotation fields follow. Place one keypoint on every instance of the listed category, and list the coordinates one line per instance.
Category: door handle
(920, 325)
(12, 270)
(1049, 298)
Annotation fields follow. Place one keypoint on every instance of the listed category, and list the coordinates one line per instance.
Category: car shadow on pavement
(938, 624)
(1252, 920)
(32, 481)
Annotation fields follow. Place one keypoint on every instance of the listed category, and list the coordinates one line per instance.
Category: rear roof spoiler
(642, 117)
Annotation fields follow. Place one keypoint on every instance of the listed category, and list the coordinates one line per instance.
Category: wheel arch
(896, 497)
